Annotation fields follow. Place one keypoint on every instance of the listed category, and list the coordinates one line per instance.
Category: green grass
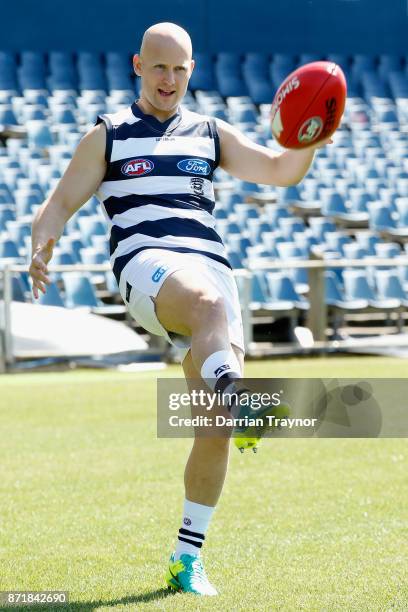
(91, 501)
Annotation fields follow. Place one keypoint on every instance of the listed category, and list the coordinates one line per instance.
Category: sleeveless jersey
(157, 191)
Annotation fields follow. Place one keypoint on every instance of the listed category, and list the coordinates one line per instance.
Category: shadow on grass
(89, 606)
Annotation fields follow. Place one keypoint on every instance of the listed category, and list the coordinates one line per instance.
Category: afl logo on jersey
(137, 167)
(194, 166)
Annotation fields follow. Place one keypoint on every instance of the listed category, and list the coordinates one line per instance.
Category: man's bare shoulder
(93, 142)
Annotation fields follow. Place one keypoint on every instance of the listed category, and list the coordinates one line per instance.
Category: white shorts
(143, 276)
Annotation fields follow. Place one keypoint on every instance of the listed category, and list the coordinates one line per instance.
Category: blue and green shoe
(188, 576)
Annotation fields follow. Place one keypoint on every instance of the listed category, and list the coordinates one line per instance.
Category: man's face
(165, 70)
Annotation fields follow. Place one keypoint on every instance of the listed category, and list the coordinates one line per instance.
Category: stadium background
(90, 497)
(57, 72)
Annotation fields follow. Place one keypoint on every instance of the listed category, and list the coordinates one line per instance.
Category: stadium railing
(316, 317)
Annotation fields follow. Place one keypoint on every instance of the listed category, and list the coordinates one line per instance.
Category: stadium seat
(79, 292)
(39, 134)
(356, 286)
(91, 225)
(368, 240)
(281, 288)
(334, 295)
(235, 260)
(289, 225)
(389, 286)
(203, 77)
(52, 297)
(353, 250)
(261, 299)
(320, 227)
(383, 221)
(8, 249)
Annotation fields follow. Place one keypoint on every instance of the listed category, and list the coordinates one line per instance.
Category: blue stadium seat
(18, 230)
(7, 117)
(52, 297)
(336, 241)
(281, 289)
(79, 291)
(8, 249)
(289, 225)
(389, 286)
(368, 240)
(239, 244)
(6, 214)
(320, 227)
(387, 249)
(25, 203)
(39, 135)
(17, 289)
(274, 213)
(359, 201)
(235, 260)
(91, 225)
(334, 294)
(289, 195)
(356, 286)
(203, 77)
(256, 228)
(307, 58)
(64, 115)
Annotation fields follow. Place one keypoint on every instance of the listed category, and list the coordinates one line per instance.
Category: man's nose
(169, 77)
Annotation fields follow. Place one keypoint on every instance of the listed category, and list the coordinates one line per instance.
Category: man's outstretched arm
(80, 180)
(252, 162)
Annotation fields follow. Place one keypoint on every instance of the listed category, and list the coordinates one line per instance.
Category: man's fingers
(37, 285)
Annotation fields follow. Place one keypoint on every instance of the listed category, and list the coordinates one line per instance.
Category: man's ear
(137, 64)
(192, 65)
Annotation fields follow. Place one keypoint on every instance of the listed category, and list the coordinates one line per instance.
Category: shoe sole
(251, 436)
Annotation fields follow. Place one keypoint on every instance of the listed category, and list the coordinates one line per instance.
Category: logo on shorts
(197, 185)
(310, 129)
(194, 166)
(159, 273)
(187, 521)
(137, 167)
(221, 369)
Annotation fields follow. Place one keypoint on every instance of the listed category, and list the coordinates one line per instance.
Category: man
(152, 166)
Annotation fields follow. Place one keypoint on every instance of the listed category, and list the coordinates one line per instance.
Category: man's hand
(38, 268)
(323, 143)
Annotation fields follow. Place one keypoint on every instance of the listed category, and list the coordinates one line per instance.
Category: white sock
(196, 518)
(221, 364)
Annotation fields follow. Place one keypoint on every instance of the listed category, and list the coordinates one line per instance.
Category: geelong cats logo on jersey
(197, 185)
(137, 167)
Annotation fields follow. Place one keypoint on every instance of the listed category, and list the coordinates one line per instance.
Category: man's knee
(206, 305)
(185, 309)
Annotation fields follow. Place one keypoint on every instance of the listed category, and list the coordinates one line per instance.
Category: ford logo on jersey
(137, 167)
(194, 166)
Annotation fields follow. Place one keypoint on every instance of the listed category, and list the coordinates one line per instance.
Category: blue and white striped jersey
(157, 191)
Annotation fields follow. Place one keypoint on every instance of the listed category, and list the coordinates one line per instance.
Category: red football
(309, 104)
